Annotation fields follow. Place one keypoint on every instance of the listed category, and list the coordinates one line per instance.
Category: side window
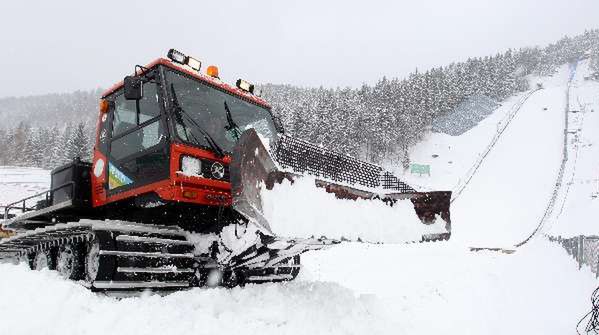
(149, 106)
(126, 116)
(137, 141)
(137, 148)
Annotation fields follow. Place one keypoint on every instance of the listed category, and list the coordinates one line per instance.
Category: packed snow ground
(16, 183)
(441, 288)
(352, 289)
(46, 304)
(357, 288)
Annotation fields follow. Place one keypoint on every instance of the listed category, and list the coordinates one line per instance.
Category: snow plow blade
(286, 189)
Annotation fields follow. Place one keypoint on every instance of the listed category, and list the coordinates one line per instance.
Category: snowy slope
(577, 206)
(455, 155)
(507, 195)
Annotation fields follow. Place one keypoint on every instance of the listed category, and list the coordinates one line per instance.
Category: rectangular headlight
(177, 56)
(194, 63)
(244, 85)
(191, 166)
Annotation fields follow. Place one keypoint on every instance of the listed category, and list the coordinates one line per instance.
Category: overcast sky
(65, 45)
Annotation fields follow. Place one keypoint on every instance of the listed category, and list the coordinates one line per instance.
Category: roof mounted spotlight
(177, 56)
(194, 63)
(181, 58)
(244, 85)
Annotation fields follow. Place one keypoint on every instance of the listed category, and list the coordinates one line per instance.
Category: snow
(357, 288)
(441, 288)
(21, 182)
(508, 194)
(576, 209)
(517, 177)
(351, 289)
(321, 214)
(455, 154)
(68, 308)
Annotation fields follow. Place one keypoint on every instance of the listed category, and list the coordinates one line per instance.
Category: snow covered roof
(200, 76)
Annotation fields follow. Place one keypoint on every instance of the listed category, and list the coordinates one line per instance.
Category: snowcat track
(137, 257)
(131, 256)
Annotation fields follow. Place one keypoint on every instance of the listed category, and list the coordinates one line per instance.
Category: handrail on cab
(22, 202)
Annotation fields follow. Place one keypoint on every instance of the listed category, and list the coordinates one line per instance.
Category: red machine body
(177, 187)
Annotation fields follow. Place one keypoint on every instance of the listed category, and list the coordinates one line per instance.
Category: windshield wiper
(180, 111)
(232, 127)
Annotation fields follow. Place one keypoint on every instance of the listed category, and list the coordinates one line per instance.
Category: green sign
(420, 169)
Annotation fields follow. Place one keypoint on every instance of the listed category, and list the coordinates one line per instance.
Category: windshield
(204, 106)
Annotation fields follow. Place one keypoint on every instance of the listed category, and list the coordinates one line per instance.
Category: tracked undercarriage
(128, 256)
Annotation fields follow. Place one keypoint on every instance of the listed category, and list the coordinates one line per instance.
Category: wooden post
(580, 257)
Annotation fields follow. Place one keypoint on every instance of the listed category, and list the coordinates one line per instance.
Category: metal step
(287, 266)
(144, 254)
(270, 278)
(137, 284)
(129, 238)
(153, 270)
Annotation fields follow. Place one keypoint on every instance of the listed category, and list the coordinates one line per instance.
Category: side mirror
(133, 86)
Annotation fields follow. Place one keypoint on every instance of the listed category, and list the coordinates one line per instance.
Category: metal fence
(305, 157)
(584, 249)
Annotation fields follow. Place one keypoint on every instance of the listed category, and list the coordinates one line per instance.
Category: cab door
(138, 150)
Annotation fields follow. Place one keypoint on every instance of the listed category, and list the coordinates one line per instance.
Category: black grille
(390, 182)
(305, 157)
(207, 172)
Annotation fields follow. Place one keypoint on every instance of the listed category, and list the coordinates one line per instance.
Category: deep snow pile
(301, 210)
(350, 289)
(42, 303)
